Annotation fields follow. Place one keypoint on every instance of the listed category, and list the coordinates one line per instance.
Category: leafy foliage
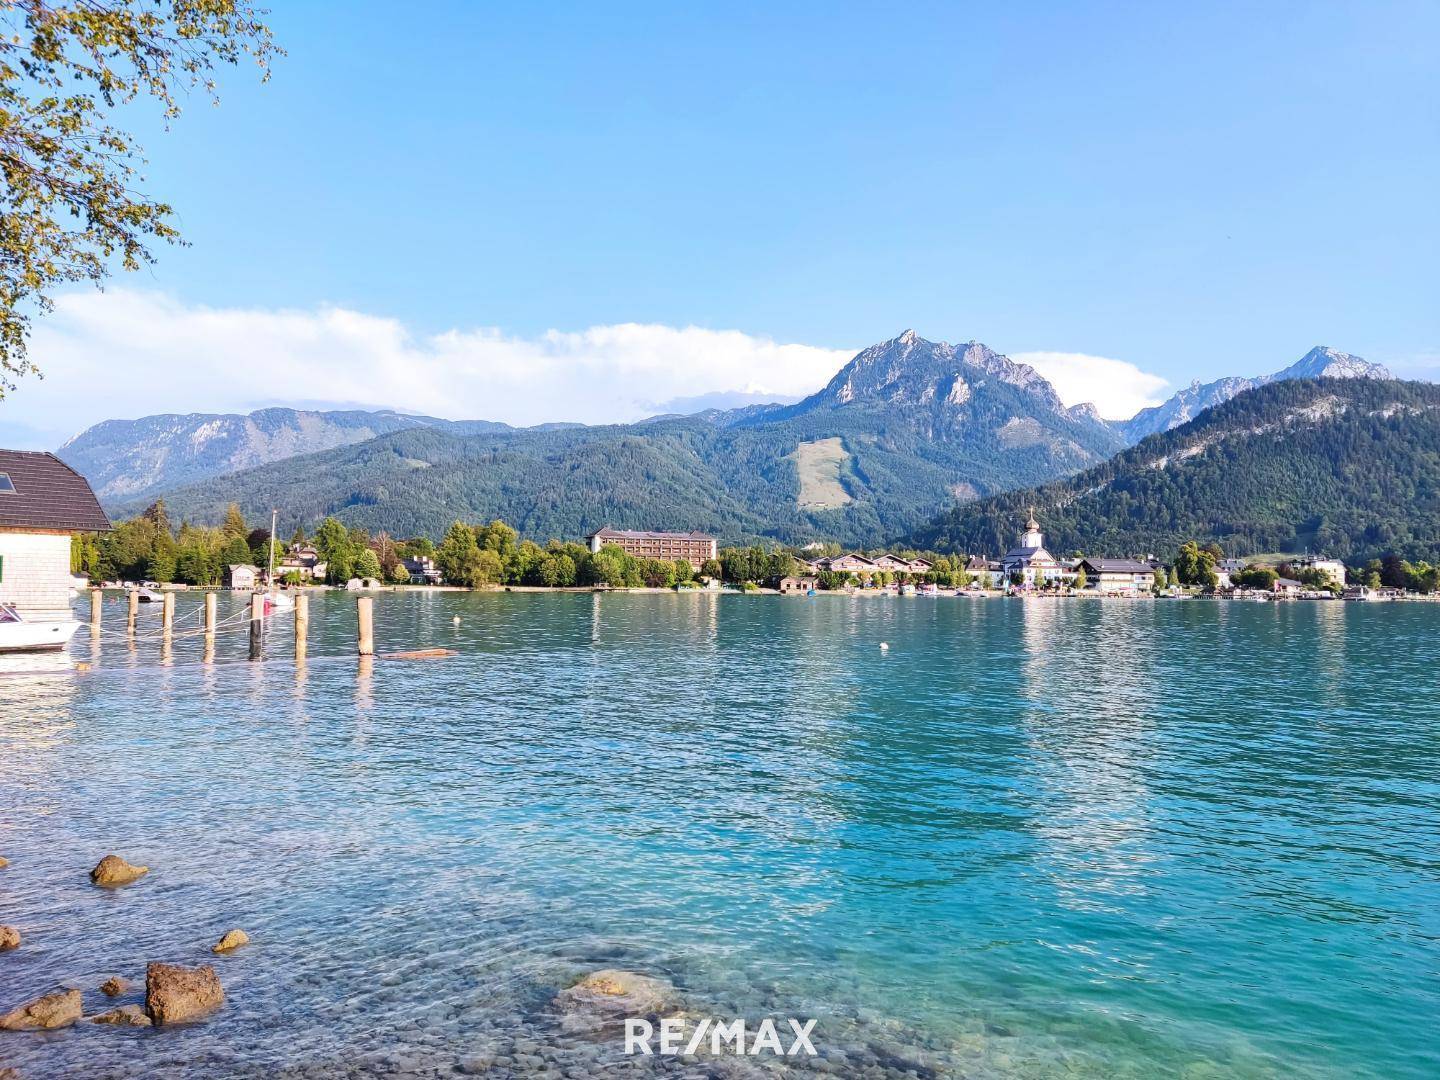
(1255, 577)
(69, 204)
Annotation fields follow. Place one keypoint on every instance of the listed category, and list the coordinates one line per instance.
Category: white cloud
(1415, 365)
(125, 353)
(1117, 388)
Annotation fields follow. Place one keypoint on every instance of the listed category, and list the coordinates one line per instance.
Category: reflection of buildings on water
(690, 619)
(1042, 653)
(1332, 660)
(37, 698)
(1091, 699)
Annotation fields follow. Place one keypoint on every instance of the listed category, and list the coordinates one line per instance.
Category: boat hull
(36, 636)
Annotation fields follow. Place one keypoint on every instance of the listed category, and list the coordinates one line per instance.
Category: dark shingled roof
(48, 495)
(1118, 566)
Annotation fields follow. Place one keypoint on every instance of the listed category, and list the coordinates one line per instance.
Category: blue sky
(1194, 192)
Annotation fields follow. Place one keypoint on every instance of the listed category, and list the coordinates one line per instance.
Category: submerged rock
(233, 939)
(604, 997)
(125, 1016)
(175, 994)
(113, 870)
(51, 1011)
(9, 938)
(114, 986)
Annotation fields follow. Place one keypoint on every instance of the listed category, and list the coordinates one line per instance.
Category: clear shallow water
(1031, 839)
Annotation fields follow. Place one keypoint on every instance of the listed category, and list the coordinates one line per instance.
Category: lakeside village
(55, 539)
(237, 556)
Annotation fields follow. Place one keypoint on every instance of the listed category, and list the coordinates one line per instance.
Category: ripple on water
(1026, 840)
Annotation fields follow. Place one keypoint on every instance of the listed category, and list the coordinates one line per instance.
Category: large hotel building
(692, 546)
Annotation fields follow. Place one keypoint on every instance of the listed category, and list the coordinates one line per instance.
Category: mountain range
(1318, 363)
(128, 459)
(906, 428)
(1345, 466)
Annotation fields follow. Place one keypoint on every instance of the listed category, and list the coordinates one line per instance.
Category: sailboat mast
(274, 515)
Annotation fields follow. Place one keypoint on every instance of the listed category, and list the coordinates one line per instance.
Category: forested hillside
(1348, 467)
(908, 426)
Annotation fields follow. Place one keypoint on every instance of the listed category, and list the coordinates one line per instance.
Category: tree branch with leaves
(71, 207)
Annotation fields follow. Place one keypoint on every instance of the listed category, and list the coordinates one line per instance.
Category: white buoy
(456, 620)
(884, 646)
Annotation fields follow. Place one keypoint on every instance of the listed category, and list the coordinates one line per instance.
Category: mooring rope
(156, 635)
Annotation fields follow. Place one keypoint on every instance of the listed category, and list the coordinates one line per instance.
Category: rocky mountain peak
(911, 369)
(1327, 363)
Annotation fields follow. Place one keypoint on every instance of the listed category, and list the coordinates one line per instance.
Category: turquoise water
(1036, 838)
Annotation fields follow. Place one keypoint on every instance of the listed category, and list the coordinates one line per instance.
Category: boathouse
(42, 503)
(243, 576)
(1285, 586)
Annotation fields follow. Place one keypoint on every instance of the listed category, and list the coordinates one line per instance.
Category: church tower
(1032, 537)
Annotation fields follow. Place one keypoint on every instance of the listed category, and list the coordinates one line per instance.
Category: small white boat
(19, 635)
(278, 601)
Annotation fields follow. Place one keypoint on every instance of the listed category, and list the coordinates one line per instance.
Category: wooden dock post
(133, 612)
(167, 614)
(210, 625)
(365, 612)
(97, 598)
(302, 624)
(257, 625)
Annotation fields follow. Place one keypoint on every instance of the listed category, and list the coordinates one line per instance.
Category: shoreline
(945, 594)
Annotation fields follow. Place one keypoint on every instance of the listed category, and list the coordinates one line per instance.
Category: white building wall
(1334, 569)
(35, 573)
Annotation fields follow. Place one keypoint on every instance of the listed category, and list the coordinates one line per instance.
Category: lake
(1029, 839)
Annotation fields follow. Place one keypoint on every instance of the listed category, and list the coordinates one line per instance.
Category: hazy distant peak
(132, 458)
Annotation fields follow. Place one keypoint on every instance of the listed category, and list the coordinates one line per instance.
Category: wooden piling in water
(167, 614)
(97, 598)
(133, 612)
(365, 629)
(257, 625)
(302, 625)
(210, 603)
